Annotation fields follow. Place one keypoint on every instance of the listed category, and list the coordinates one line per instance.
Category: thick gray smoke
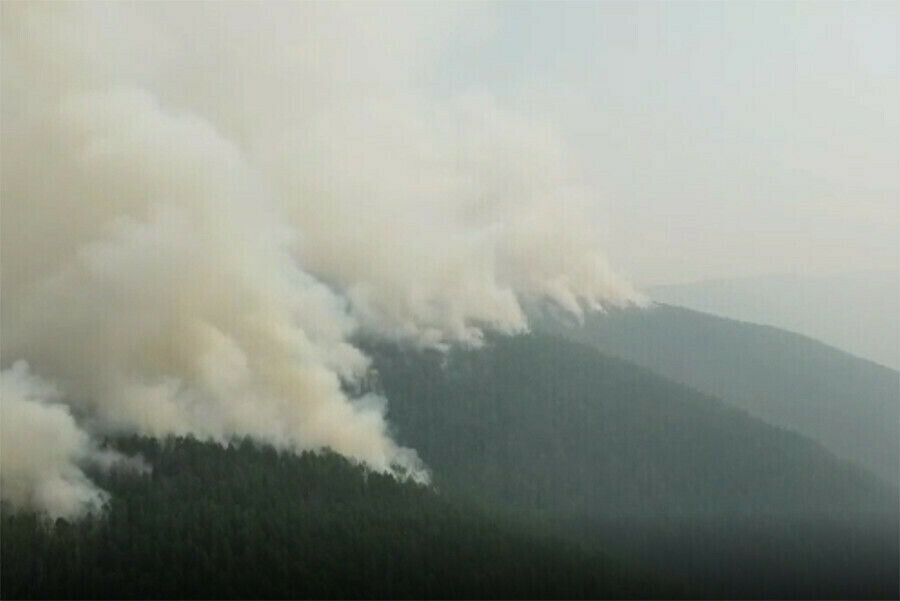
(202, 203)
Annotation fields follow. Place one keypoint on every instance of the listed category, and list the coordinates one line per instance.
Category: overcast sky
(727, 139)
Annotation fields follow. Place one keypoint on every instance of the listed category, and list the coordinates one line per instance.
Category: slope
(616, 456)
(856, 312)
(850, 405)
(247, 522)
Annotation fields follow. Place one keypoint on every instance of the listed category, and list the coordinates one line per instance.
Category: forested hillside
(615, 455)
(850, 405)
(557, 472)
(247, 522)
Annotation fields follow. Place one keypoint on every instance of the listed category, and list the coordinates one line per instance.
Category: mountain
(558, 472)
(850, 405)
(247, 522)
(616, 456)
(856, 312)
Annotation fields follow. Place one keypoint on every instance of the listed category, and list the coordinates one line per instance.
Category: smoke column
(203, 203)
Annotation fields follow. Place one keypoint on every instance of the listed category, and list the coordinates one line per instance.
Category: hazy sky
(727, 139)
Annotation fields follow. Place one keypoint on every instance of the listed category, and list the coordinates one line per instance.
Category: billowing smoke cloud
(202, 204)
(48, 474)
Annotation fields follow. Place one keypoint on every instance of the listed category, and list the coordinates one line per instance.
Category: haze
(727, 139)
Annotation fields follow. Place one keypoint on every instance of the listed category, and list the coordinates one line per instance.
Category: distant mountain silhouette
(856, 312)
(850, 405)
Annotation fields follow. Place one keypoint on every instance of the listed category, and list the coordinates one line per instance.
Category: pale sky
(726, 139)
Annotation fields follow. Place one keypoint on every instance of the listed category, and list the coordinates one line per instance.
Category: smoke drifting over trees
(203, 203)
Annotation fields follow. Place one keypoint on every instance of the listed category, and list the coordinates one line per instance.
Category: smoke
(204, 203)
(46, 475)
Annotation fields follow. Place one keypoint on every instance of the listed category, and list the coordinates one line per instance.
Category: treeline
(248, 522)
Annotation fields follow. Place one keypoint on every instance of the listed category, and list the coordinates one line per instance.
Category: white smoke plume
(48, 474)
(202, 204)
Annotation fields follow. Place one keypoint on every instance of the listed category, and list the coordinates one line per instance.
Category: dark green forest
(248, 522)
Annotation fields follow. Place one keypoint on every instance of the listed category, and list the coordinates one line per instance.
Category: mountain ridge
(616, 455)
(854, 311)
(850, 404)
